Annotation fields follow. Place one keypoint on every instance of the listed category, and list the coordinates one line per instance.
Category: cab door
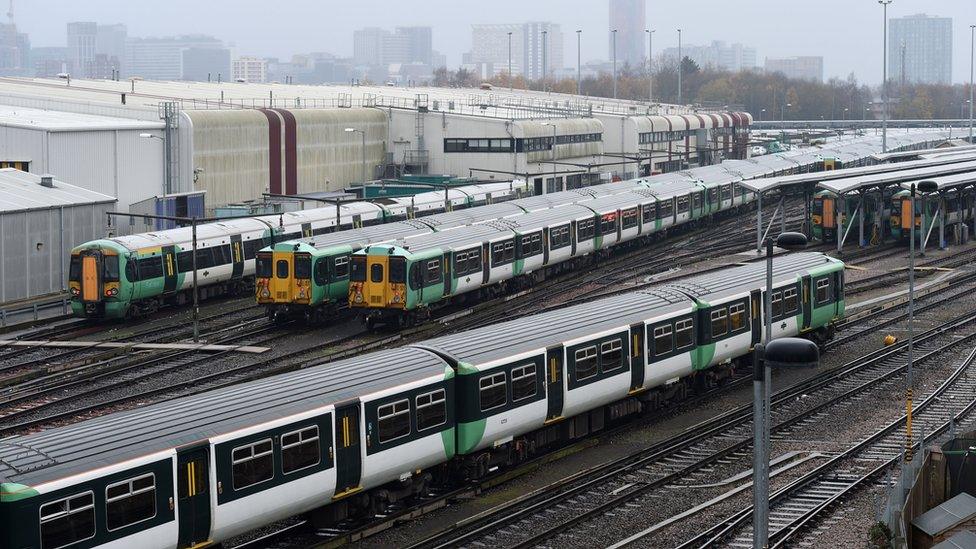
(554, 382)
(91, 266)
(237, 256)
(348, 450)
(636, 356)
(169, 269)
(192, 489)
(377, 267)
(807, 302)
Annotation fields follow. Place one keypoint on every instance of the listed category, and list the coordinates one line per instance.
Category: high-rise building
(110, 42)
(14, 51)
(543, 53)
(162, 58)
(206, 64)
(920, 49)
(367, 45)
(82, 36)
(375, 46)
(717, 55)
(804, 68)
(420, 44)
(490, 48)
(253, 70)
(628, 17)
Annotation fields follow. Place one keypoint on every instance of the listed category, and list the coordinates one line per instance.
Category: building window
(463, 145)
(393, 420)
(67, 521)
(300, 449)
(492, 391)
(523, 382)
(252, 464)
(130, 502)
(431, 409)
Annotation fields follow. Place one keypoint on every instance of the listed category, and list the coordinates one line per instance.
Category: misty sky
(848, 33)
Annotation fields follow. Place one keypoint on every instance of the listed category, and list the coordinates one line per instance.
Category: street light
(510, 62)
(884, 82)
(579, 62)
(783, 110)
(167, 169)
(972, 54)
(614, 42)
(545, 40)
(680, 59)
(782, 352)
(351, 130)
(553, 124)
(926, 186)
(761, 113)
(650, 65)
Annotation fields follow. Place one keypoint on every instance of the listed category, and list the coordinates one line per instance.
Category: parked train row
(118, 277)
(353, 436)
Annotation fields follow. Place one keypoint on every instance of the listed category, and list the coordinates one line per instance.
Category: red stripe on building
(274, 150)
(291, 151)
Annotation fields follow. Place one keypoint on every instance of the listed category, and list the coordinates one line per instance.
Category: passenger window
(492, 391)
(433, 275)
(737, 317)
(300, 449)
(777, 304)
(252, 464)
(150, 268)
(663, 340)
(303, 267)
(262, 268)
(67, 521)
(376, 272)
(649, 213)
(74, 268)
(823, 290)
(585, 363)
(357, 272)
(720, 322)
(393, 420)
(523, 382)
(509, 251)
(789, 300)
(683, 336)
(341, 268)
(398, 270)
(611, 357)
(130, 502)
(110, 268)
(431, 410)
(281, 269)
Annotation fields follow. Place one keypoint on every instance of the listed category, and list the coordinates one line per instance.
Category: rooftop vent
(47, 180)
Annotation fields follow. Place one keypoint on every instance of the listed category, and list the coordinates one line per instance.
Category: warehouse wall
(35, 246)
(231, 147)
(329, 158)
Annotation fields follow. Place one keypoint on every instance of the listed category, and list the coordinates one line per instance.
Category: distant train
(350, 438)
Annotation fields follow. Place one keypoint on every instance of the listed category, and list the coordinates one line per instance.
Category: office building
(803, 68)
(628, 17)
(14, 51)
(162, 58)
(489, 53)
(920, 49)
(543, 49)
(375, 46)
(49, 62)
(206, 64)
(110, 42)
(367, 45)
(253, 70)
(81, 45)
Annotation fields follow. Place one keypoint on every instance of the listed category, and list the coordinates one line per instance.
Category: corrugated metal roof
(23, 191)
(23, 117)
(947, 515)
(40, 457)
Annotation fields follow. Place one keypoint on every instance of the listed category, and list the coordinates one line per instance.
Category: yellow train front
(283, 279)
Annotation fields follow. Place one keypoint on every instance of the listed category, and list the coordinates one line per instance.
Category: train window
(130, 271)
(303, 266)
(777, 304)
(341, 266)
(431, 409)
(789, 300)
(629, 219)
(320, 271)
(281, 268)
(510, 251)
(585, 230)
(682, 204)
(696, 201)
(608, 224)
(74, 268)
(393, 420)
(492, 391)
(663, 340)
(665, 209)
(683, 333)
(523, 382)
(531, 244)
(559, 237)
(398, 270)
(823, 290)
(737, 317)
(251, 247)
(720, 322)
(357, 272)
(611, 357)
(130, 502)
(726, 192)
(376, 272)
(150, 268)
(67, 521)
(252, 464)
(262, 268)
(300, 449)
(110, 268)
(649, 213)
(433, 273)
(585, 363)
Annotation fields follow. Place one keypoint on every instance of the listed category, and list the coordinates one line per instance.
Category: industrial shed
(41, 220)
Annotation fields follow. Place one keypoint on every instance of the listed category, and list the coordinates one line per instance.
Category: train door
(90, 287)
(757, 320)
(446, 272)
(620, 224)
(572, 236)
(838, 291)
(808, 298)
(169, 269)
(192, 488)
(237, 256)
(545, 245)
(554, 381)
(486, 261)
(636, 356)
(348, 454)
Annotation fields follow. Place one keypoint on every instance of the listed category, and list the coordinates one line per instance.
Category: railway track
(567, 506)
(809, 498)
(922, 270)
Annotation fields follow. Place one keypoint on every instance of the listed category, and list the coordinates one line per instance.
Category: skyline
(320, 28)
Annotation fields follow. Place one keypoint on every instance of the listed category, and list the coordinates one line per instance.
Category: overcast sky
(848, 33)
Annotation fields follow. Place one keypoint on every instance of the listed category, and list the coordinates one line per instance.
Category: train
(134, 275)
(347, 439)
(959, 208)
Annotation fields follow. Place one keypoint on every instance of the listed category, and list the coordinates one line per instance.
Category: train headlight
(265, 292)
(75, 291)
(359, 297)
(396, 298)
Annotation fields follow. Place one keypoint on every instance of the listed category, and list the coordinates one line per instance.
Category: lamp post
(680, 59)
(650, 65)
(972, 54)
(761, 113)
(782, 114)
(363, 132)
(579, 62)
(510, 62)
(614, 48)
(925, 187)
(884, 81)
(553, 124)
(545, 40)
(782, 352)
(167, 168)
(845, 113)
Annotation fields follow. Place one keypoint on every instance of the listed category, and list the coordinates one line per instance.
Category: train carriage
(959, 207)
(831, 214)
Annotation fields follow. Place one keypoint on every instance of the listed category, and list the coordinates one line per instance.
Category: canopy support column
(842, 239)
(769, 227)
(807, 225)
(942, 215)
(860, 220)
(928, 235)
(759, 224)
(782, 210)
(879, 216)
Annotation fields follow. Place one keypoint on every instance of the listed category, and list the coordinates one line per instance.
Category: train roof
(470, 216)
(460, 238)
(364, 236)
(184, 235)
(620, 201)
(547, 218)
(62, 451)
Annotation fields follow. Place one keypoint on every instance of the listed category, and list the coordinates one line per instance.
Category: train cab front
(822, 218)
(283, 280)
(378, 284)
(94, 283)
(901, 216)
